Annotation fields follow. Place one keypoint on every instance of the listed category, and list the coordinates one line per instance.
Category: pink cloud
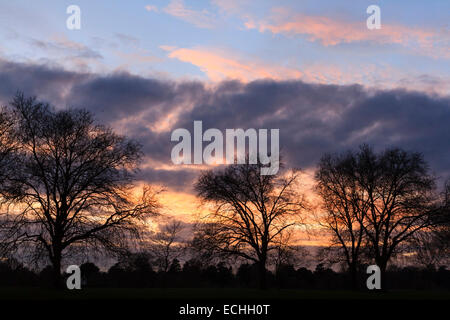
(331, 32)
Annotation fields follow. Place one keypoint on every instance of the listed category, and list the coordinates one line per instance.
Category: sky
(310, 68)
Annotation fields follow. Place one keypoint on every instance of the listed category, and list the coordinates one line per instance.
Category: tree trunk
(354, 277)
(56, 262)
(262, 275)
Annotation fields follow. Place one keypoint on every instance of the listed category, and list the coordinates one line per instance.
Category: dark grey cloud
(178, 180)
(122, 95)
(49, 84)
(312, 118)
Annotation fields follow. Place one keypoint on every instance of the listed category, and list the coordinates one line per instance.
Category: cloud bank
(312, 118)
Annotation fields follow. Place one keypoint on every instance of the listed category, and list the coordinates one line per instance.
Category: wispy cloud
(151, 8)
(199, 18)
(58, 49)
(126, 39)
(230, 6)
(62, 45)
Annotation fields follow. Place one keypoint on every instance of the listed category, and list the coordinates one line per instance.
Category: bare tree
(392, 197)
(251, 212)
(8, 146)
(443, 223)
(166, 244)
(428, 249)
(72, 185)
(7, 143)
(285, 251)
(431, 246)
(344, 205)
(402, 201)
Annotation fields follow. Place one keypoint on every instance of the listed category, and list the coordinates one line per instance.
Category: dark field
(15, 293)
(150, 303)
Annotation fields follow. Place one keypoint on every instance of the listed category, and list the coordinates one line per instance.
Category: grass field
(188, 294)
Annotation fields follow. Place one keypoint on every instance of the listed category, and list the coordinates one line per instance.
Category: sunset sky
(310, 68)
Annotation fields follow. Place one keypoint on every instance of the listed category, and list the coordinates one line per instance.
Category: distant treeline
(193, 274)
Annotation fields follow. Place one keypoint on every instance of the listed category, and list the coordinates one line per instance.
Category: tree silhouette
(431, 247)
(390, 195)
(251, 212)
(175, 266)
(7, 144)
(165, 247)
(401, 200)
(71, 185)
(345, 205)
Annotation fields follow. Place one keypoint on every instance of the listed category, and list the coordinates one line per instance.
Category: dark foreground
(37, 294)
(173, 303)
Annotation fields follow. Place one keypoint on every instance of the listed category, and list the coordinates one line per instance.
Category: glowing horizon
(313, 70)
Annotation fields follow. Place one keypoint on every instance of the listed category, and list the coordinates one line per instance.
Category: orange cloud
(221, 65)
(182, 206)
